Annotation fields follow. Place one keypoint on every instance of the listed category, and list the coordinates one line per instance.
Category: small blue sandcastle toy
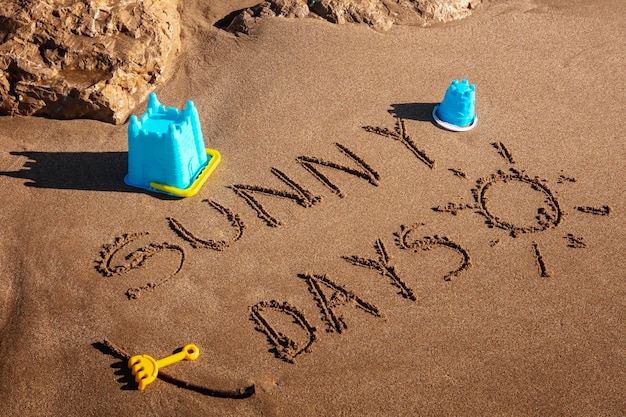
(456, 111)
(166, 150)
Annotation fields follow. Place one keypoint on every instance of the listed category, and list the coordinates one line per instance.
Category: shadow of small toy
(421, 112)
(456, 112)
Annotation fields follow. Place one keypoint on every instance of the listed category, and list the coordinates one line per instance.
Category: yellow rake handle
(145, 368)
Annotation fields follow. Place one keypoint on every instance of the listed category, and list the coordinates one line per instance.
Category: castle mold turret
(166, 150)
(456, 111)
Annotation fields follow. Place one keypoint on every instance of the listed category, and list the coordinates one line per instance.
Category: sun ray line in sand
(598, 211)
(563, 179)
(454, 208)
(400, 134)
(458, 173)
(575, 242)
(110, 348)
(540, 261)
(503, 152)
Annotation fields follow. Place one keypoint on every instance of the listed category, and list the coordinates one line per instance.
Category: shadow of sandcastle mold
(166, 150)
(422, 112)
(89, 171)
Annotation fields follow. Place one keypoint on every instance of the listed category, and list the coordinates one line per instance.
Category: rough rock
(290, 8)
(445, 10)
(244, 20)
(379, 14)
(374, 13)
(84, 59)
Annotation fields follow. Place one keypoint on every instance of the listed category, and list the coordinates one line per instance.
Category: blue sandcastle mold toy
(456, 111)
(166, 150)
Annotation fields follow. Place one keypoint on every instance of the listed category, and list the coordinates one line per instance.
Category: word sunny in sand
(327, 292)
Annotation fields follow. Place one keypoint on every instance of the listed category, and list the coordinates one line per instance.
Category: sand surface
(406, 300)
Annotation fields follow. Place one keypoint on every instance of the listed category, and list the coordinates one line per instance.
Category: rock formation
(84, 59)
(379, 14)
(98, 58)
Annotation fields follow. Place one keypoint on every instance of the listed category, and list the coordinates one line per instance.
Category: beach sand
(411, 295)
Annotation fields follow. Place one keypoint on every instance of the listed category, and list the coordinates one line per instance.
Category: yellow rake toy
(145, 368)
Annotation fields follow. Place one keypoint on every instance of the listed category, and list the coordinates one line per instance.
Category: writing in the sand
(326, 291)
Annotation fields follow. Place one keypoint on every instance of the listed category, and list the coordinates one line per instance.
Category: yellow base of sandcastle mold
(215, 158)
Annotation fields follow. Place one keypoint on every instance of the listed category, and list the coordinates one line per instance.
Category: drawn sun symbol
(530, 191)
(522, 192)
